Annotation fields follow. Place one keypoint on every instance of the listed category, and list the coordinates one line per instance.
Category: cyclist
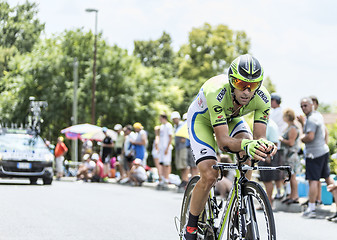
(218, 109)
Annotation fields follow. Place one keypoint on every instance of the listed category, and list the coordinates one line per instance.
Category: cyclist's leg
(203, 146)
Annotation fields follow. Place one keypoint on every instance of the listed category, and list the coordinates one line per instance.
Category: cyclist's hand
(258, 149)
(269, 146)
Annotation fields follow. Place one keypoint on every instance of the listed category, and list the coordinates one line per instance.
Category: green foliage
(269, 85)
(20, 30)
(332, 129)
(129, 88)
(209, 52)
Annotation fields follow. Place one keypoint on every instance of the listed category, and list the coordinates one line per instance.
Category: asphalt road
(75, 210)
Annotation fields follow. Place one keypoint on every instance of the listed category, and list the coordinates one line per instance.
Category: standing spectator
(60, 150)
(107, 146)
(317, 154)
(119, 147)
(267, 177)
(140, 141)
(137, 173)
(128, 152)
(276, 114)
(302, 120)
(180, 152)
(155, 151)
(290, 145)
(165, 150)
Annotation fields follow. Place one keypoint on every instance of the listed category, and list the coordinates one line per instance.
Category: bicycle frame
(235, 191)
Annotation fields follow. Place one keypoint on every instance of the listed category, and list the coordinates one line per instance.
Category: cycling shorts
(201, 134)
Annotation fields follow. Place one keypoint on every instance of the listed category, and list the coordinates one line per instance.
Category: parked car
(23, 154)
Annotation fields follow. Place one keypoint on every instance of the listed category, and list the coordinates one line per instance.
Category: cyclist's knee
(207, 173)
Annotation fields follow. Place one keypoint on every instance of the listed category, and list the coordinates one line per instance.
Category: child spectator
(137, 173)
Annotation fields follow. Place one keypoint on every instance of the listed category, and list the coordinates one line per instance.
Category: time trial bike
(246, 214)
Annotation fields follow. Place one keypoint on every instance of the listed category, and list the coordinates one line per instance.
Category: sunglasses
(242, 85)
(304, 106)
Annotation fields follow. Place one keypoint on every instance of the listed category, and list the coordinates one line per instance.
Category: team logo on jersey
(203, 151)
(200, 102)
(262, 96)
(221, 94)
(217, 109)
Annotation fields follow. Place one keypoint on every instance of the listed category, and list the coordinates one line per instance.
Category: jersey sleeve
(262, 106)
(214, 100)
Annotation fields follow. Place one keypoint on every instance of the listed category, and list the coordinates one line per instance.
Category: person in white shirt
(165, 150)
(276, 114)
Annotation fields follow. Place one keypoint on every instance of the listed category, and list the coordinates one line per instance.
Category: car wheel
(33, 180)
(47, 181)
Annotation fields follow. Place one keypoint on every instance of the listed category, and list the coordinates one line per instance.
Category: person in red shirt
(60, 150)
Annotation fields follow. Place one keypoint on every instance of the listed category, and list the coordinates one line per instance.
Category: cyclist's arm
(225, 141)
(260, 132)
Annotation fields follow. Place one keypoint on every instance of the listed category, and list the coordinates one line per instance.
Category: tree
(269, 85)
(127, 91)
(157, 53)
(19, 26)
(209, 52)
(20, 30)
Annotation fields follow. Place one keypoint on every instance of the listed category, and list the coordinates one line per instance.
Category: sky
(295, 41)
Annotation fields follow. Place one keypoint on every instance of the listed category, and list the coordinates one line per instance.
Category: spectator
(98, 173)
(276, 114)
(317, 154)
(302, 120)
(268, 177)
(119, 147)
(137, 173)
(86, 147)
(180, 152)
(128, 152)
(139, 142)
(155, 151)
(165, 150)
(290, 145)
(107, 146)
(60, 150)
(86, 169)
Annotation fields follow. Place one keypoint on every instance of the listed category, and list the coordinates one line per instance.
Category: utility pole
(74, 144)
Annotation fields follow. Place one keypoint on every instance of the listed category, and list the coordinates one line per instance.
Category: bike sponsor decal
(221, 94)
(261, 94)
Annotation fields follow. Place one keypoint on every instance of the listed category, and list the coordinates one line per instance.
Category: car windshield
(21, 142)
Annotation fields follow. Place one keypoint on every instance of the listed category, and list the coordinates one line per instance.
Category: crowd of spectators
(125, 156)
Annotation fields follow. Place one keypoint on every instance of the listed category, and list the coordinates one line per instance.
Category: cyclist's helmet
(245, 69)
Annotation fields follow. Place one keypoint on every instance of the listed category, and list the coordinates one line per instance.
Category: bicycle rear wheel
(257, 216)
(205, 231)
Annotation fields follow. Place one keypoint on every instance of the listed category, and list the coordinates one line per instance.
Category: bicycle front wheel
(257, 219)
(205, 230)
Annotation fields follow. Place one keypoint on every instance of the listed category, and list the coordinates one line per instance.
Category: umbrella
(99, 135)
(182, 131)
(75, 131)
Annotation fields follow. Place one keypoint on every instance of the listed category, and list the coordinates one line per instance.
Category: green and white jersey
(216, 104)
